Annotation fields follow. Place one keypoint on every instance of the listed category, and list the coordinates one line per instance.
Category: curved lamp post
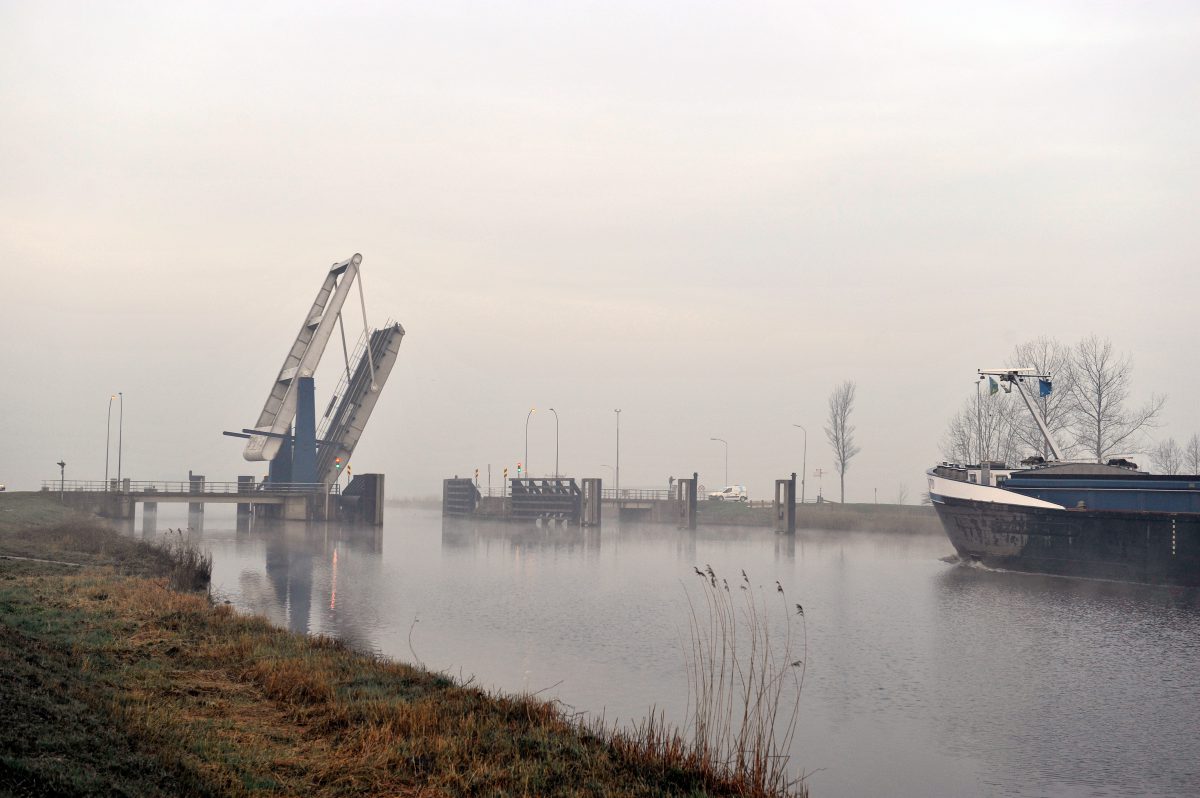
(108, 439)
(722, 440)
(527, 417)
(555, 412)
(120, 436)
(804, 463)
(617, 470)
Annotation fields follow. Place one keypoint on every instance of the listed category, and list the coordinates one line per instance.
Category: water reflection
(924, 679)
(1085, 666)
(459, 534)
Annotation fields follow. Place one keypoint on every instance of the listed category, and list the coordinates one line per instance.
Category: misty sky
(705, 214)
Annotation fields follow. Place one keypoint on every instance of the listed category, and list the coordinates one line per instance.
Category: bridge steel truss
(308, 455)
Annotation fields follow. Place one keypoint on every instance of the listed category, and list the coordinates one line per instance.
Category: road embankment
(115, 683)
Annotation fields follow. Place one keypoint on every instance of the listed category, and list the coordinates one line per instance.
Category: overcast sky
(705, 214)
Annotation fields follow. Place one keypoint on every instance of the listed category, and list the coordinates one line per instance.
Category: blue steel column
(280, 469)
(304, 458)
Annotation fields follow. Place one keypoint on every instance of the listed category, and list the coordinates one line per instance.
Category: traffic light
(337, 463)
(518, 469)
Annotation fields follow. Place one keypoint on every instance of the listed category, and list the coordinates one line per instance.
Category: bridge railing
(636, 494)
(185, 486)
(610, 494)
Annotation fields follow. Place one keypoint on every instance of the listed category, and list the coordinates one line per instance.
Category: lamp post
(722, 440)
(803, 463)
(527, 417)
(120, 435)
(617, 470)
(62, 480)
(555, 412)
(108, 439)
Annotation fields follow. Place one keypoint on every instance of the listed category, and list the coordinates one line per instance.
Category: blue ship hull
(1129, 545)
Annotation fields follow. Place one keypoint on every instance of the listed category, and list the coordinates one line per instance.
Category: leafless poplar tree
(1191, 454)
(1048, 356)
(839, 431)
(1101, 423)
(984, 429)
(1167, 457)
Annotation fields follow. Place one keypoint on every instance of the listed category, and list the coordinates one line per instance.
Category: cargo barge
(1105, 521)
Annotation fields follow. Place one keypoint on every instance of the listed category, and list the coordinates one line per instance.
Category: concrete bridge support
(196, 483)
(149, 517)
(244, 485)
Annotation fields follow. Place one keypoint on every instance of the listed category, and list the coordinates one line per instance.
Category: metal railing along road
(184, 486)
(636, 494)
(610, 494)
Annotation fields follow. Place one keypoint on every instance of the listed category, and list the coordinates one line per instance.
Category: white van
(730, 493)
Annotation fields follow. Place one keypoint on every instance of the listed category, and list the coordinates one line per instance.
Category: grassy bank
(115, 684)
(899, 518)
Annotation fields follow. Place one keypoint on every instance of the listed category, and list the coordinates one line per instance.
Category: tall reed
(744, 681)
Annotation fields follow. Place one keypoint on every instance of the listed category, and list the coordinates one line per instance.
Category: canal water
(924, 678)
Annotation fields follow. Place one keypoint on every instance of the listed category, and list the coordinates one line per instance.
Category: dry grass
(122, 686)
(233, 706)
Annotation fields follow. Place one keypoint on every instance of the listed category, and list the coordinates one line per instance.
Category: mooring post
(592, 493)
(688, 508)
(791, 505)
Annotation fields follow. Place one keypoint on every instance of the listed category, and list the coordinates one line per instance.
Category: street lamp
(62, 480)
(804, 463)
(722, 440)
(527, 417)
(617, 470)
(108, 439)
(555, 412)
(120, 435)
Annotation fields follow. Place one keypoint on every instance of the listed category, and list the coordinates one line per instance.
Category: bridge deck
(187, 492)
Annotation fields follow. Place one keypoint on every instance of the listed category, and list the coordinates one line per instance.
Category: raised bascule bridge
(306, 459)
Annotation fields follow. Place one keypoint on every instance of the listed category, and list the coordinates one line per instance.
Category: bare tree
(984, 429)
(839, 431)
(1047, 356)
(1167, 457)
(1191, 454)
(902, 494)
(1101, 423)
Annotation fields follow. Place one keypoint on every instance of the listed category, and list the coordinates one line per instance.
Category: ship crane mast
(1010, 377)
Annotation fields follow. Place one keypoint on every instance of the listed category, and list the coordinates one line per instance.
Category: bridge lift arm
(301, 361)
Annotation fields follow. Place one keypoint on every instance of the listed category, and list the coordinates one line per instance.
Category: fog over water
(924, 679)
(705, 215)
